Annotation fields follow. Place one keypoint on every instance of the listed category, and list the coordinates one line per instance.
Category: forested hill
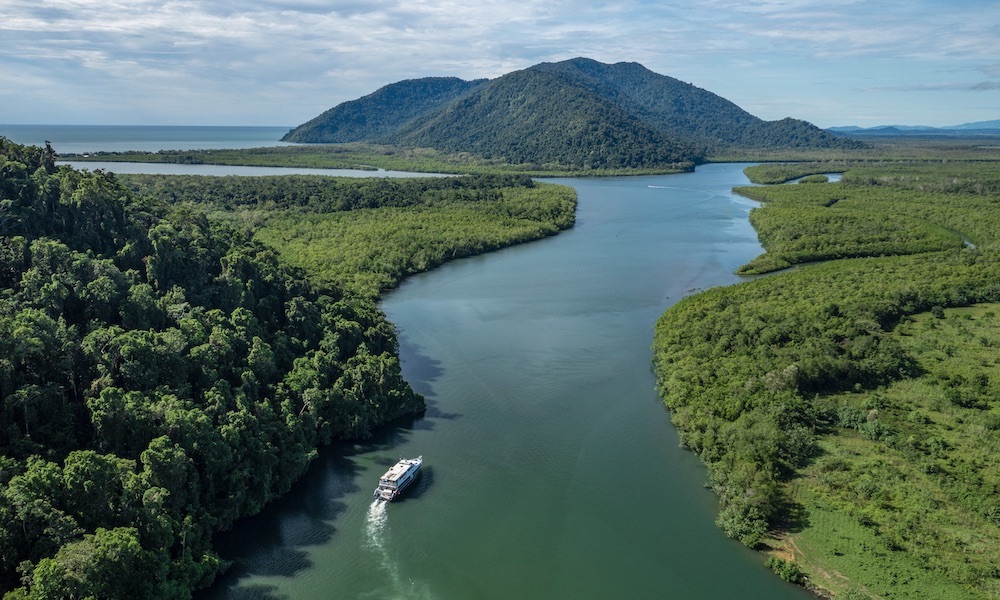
(579, 113)
(160, 376)
(382, 111)
(534, 117)
(702, 119)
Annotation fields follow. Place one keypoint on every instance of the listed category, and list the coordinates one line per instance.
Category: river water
(550, 465)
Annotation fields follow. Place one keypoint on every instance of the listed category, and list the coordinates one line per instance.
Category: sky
(282, 62)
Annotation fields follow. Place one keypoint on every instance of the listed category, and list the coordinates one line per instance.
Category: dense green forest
(703, 120)
(164, 373)
(851, 444)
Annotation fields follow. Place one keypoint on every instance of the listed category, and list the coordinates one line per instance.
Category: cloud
(246, 59)
(982, 86)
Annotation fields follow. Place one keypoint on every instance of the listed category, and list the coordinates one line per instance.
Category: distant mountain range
(991, 128)
(579, 113)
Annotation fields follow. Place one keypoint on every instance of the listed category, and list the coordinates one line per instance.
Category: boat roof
(398, 470)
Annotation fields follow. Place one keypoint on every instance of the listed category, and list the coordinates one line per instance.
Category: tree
(110, 563)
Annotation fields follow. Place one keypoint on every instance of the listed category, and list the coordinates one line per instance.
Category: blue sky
(282, 62)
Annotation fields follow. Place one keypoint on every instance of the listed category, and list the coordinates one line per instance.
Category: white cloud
(283, 61)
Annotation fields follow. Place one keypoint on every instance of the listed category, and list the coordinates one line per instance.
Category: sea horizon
(78, 139)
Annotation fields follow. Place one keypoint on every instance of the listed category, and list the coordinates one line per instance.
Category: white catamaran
(397, 478)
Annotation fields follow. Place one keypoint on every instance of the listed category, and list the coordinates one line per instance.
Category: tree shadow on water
(421, 371)
(247, 592)
(277, 541)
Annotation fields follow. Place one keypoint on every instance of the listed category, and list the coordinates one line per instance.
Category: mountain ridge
(974, 128)
(579, 113)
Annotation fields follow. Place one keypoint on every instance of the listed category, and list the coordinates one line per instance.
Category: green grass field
(904, 504)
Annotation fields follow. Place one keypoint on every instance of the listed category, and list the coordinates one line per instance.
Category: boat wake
(378, 518)
(376, 530)
(376, 526)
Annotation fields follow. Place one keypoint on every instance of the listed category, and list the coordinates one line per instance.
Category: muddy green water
(551, 469)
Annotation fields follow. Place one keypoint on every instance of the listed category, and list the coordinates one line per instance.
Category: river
(551, 468)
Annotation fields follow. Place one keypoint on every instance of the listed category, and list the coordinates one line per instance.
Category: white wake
(377, 531)
(375, 526)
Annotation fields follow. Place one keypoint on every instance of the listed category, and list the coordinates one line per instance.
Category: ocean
(81, 139)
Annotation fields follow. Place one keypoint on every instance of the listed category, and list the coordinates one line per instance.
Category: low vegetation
(909, 470)
(370, 157)
(772, 173)
(845, 409)
(802, 224)
(365, 235)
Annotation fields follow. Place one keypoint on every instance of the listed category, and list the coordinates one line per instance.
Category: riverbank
(799, 394)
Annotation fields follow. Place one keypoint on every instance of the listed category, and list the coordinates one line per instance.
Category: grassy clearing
(904, 503)
(843, 557)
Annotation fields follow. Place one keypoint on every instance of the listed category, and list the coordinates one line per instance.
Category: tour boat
(397, 478)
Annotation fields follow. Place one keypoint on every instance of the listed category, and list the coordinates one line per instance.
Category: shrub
(786, 569)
